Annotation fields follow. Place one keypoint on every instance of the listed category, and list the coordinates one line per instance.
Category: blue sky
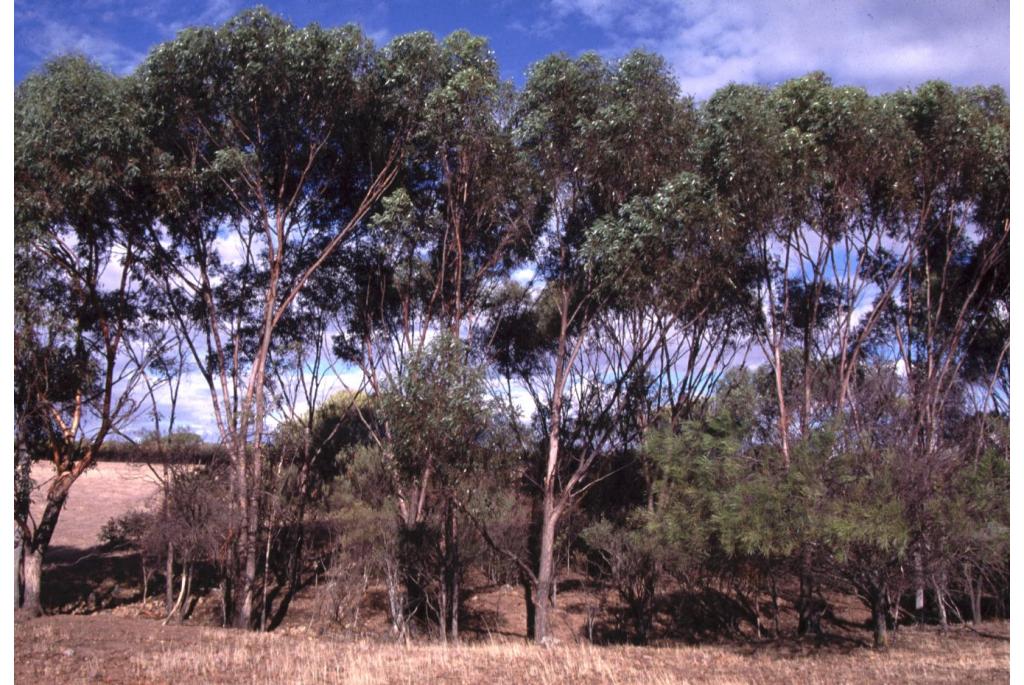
(879, 44)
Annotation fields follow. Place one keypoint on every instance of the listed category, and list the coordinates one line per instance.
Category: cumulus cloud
(877, 44)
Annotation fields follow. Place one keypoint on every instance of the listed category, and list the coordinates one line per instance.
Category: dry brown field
(103, 491)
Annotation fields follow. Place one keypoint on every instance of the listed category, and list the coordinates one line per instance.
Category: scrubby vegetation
(708, 359)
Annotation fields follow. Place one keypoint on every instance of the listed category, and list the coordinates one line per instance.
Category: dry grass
(132, 650)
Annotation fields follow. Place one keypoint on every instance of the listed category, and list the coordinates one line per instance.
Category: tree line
(754, 343)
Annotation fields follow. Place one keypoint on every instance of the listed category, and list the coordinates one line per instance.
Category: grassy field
(110, 649)
(122, 641)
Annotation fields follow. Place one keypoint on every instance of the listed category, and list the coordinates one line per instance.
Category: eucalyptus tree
(457, 222)
(945, 329)
(82, 213)
(812, 174)
(597, 135)
(439, 410)
(278, 141)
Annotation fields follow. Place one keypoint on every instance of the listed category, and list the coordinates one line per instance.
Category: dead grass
(122, 650)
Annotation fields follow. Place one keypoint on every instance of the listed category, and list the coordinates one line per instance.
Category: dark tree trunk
(880, 618)
(531, 615)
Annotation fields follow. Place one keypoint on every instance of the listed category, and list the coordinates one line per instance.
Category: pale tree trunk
(919, 592)
(940, 601)
(35, 548)
(973, 588)
(32, 570)
(247, 544)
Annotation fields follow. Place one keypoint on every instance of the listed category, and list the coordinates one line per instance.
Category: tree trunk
(805, 602)
(973, 588)
(545, 571)
(169, 582)
(22, 503)
(976, 602)
(531, 613)
(454, 563)
(33, 575)
(247, 544)
(145, 578)
(19, 556)
(940, 601)
(919, 592)
(181, 595)
(32, 567)
(879, 618)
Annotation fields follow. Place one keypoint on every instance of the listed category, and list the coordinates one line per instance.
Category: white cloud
(48, 38)
(215, 12)
(877, 44)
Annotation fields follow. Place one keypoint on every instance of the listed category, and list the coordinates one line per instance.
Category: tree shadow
(92, 579)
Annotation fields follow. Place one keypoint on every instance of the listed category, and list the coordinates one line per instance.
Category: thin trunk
(181, 594)
(976, 601)
(189, 575)
(145, 579)
(19, 557)
(972, 595)
(169, 575)
(919, 592)
(452, 572)
(775, 608)
(266, 571)
(879, 618)
(940, 601)
(225, 601)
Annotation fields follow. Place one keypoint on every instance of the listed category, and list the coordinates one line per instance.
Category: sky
(881, 45)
